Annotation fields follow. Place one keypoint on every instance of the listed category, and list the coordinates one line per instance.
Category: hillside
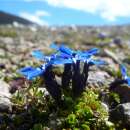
(6, 18)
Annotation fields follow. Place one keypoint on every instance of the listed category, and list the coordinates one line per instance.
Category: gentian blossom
(73, 79)
(124, 74)
(84, 56)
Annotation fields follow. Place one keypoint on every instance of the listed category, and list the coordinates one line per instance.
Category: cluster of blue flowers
(73, 78)
(64, 55)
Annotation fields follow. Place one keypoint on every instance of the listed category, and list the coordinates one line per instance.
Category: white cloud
(107, 9)
(41, 13)
(36, 17)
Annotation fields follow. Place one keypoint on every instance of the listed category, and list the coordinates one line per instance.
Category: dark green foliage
(114, 97)
(86, 113)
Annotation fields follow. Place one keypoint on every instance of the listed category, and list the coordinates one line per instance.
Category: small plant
(71, 120)
(38, 127)
(114, 97)
(87, 113)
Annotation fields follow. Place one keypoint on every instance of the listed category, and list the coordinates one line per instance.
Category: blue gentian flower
(30, 72)
(62, 48)
(54, 59)
(64, 55)
(124, 74)
(39, 55)
(73, 74)
(67, 53)
(92, 51)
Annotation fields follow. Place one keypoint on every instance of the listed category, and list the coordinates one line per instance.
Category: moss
(114, 97)
(87, 113)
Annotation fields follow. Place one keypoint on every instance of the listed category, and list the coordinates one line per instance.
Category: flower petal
(123, 71)
(54, 46)
(35, 73)
(62, 61)
(66, 50)
(31, 72)
(38, 54)
(97, 62)
(26, 70)
(128, 80)
(93, 51)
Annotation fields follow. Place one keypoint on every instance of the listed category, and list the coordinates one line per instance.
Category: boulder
(5, 103)
(121, 114)
(98, 78)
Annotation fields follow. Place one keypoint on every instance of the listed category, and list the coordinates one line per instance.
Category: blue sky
(66, 12)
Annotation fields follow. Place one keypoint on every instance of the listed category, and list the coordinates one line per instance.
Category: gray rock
(7, 40)
(112, 55)
(4, 89)
(5, 103)
(98, 78)
(105, 106)
(110, 64)
(2, 52)
(121, 114)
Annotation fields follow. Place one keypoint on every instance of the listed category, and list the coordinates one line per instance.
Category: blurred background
(27, 25)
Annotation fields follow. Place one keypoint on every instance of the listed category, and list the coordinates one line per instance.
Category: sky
(70, 12)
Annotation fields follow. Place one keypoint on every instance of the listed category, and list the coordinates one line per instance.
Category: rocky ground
(17, 43)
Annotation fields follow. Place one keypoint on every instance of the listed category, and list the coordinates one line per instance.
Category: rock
(2, 66)
(111, 64)
(5, 103)
(4, 89)
(111, 55)
(117, 40)
(7, 40)
(98, 78)
(123, 91)
(102, 35)
(2, 52)
(121, 114)
(105, 106)
(18, 83)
